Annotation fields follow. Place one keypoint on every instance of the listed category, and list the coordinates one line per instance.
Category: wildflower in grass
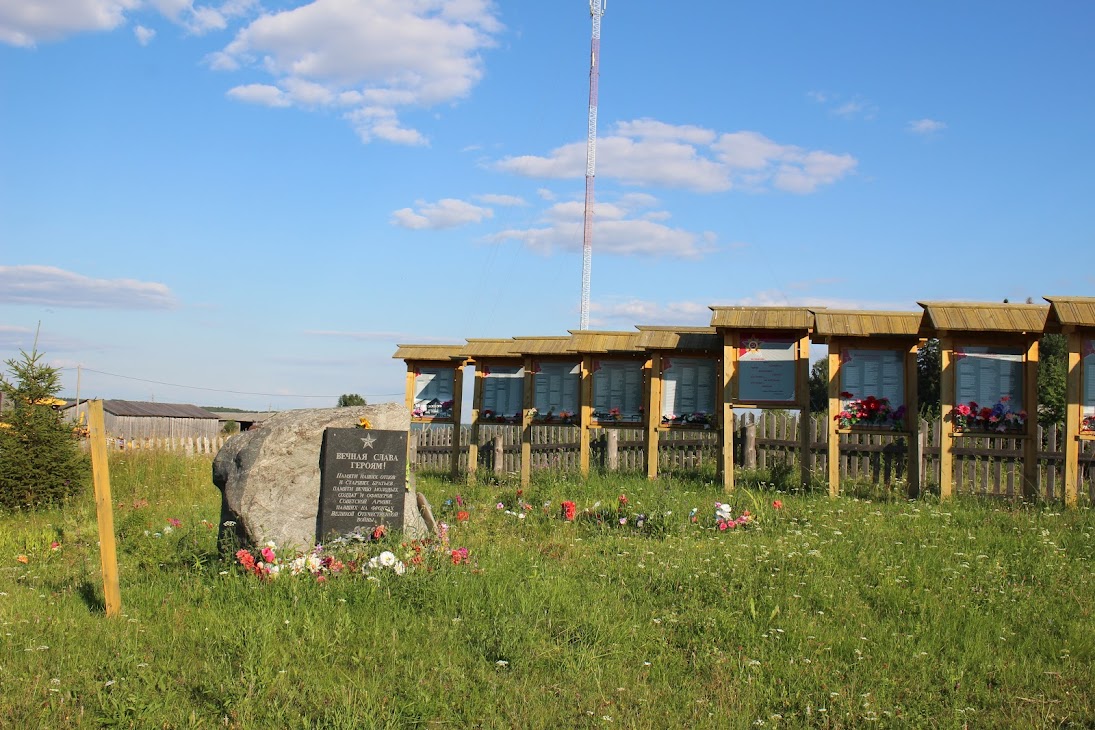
(500, 505)
(23, 559)
(443, 532)
(174, 522)
(55, 545)
(459, 501)
(462, 516)
(459, 556)
(776, 504)
(269, 555)
(246, 559)
(622, 499)
(569, 510)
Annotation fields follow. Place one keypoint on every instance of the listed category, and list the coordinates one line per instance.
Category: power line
(221, 390)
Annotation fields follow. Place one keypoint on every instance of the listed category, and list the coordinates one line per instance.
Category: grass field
(822, 613)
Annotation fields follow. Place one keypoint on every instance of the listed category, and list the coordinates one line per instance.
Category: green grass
(826, 613)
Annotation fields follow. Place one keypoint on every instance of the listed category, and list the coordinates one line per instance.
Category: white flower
(296, 567)
(272, 545)
(229, 523)
(312, 563)
(399, 568)
(388, 559)
(168, 530)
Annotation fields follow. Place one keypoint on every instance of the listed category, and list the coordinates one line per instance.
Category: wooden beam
(410, 388)
(476, 406)
(585, 408)
(104, 509)
(833, 425)
(1073, 393)
(528, 402)
(653, 412)
(726, 416)
(457, 402)
(1030, 403)
(802, 393)
(946, 426)
(912, 420)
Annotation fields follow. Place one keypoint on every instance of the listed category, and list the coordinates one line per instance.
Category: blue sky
(250, 203)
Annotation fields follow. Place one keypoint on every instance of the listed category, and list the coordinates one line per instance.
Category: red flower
(380, 532)
(777, 504)
(462, 516)
(569, 510)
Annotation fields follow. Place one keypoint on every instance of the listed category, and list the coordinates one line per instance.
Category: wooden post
(946, 426)
(457, 402)
(726, 417)
(476, 403)
(833, 445)
(1072, 419)
(499, 454)
(802, 392)
(585, 408)
(612, 449)
(529, 401)
(749, 458)
(410, 388)
(104, 508)
(1030, 403)
(912, 421)
(653, 414)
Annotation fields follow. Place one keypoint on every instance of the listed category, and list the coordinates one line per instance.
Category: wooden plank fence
(984, 465)
(191, 445)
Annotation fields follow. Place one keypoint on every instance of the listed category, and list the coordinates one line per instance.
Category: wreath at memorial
(998, 419)
(870, 411)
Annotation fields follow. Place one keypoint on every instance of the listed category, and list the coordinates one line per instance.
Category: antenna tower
(596, 10)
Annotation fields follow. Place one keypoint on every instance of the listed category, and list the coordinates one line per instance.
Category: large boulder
(269, 477)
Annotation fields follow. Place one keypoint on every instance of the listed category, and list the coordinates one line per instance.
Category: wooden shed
(130, 419)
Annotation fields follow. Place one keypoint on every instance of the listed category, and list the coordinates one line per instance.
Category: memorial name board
(688, 390)
(503, 393)
(618, 390)
(1087, 403)
(363, 480)
(766, 369)
(556, 387)
(880, 373)
(433, 393)
(988, 376)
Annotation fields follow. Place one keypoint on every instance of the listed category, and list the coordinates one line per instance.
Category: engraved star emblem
(367, 442)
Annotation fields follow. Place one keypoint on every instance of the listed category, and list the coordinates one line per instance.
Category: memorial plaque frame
(363, 481)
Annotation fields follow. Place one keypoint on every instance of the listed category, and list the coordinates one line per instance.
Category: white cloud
(23, 338)
(855, 108)
(649, 152)
(260, 94)
(27, 22)
(377, 56)
(445, 213)
(545, 194)
(925, 126)
(53, 287)
(144, 35)
(503, 200)
(201, 19)
(639, 311)
(615, 232)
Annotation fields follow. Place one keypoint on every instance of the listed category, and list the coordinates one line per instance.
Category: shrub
(40, 458)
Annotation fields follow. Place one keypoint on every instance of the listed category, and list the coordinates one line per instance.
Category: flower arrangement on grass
(697, 418)
(869, 411)
(724, 519)
(355, 554)
(970, 417)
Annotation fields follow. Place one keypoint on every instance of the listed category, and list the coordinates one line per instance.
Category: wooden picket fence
(982, 465)
(191, 446)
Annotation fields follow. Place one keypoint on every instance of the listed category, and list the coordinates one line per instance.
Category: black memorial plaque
(363, 481)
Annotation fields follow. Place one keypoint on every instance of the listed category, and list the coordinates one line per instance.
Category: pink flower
(724, 525)
(500, 505)
(268, 555)
(55, 545)
(174, 522)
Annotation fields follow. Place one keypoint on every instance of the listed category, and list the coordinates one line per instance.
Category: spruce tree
(40, 459)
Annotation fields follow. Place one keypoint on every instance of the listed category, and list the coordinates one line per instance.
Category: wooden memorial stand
(872, 355)
(435, 388)
(548, 362)
(991, 333)
(765, 364)
(498, 390)
(694, 405)
(1075, 316)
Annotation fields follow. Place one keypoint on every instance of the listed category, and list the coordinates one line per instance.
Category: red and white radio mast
(596, 10)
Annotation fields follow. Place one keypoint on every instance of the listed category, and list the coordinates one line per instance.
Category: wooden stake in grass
(104, 508)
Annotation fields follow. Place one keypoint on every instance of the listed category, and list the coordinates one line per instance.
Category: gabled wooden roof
(559, 345)
(763, 318)
(481, 348)
(856, 323)
(604, 342)
(984, 317)
(658, 337)
(435, 353)
(1072, 311)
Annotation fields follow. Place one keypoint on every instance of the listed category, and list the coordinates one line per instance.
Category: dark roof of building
(153, 410)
